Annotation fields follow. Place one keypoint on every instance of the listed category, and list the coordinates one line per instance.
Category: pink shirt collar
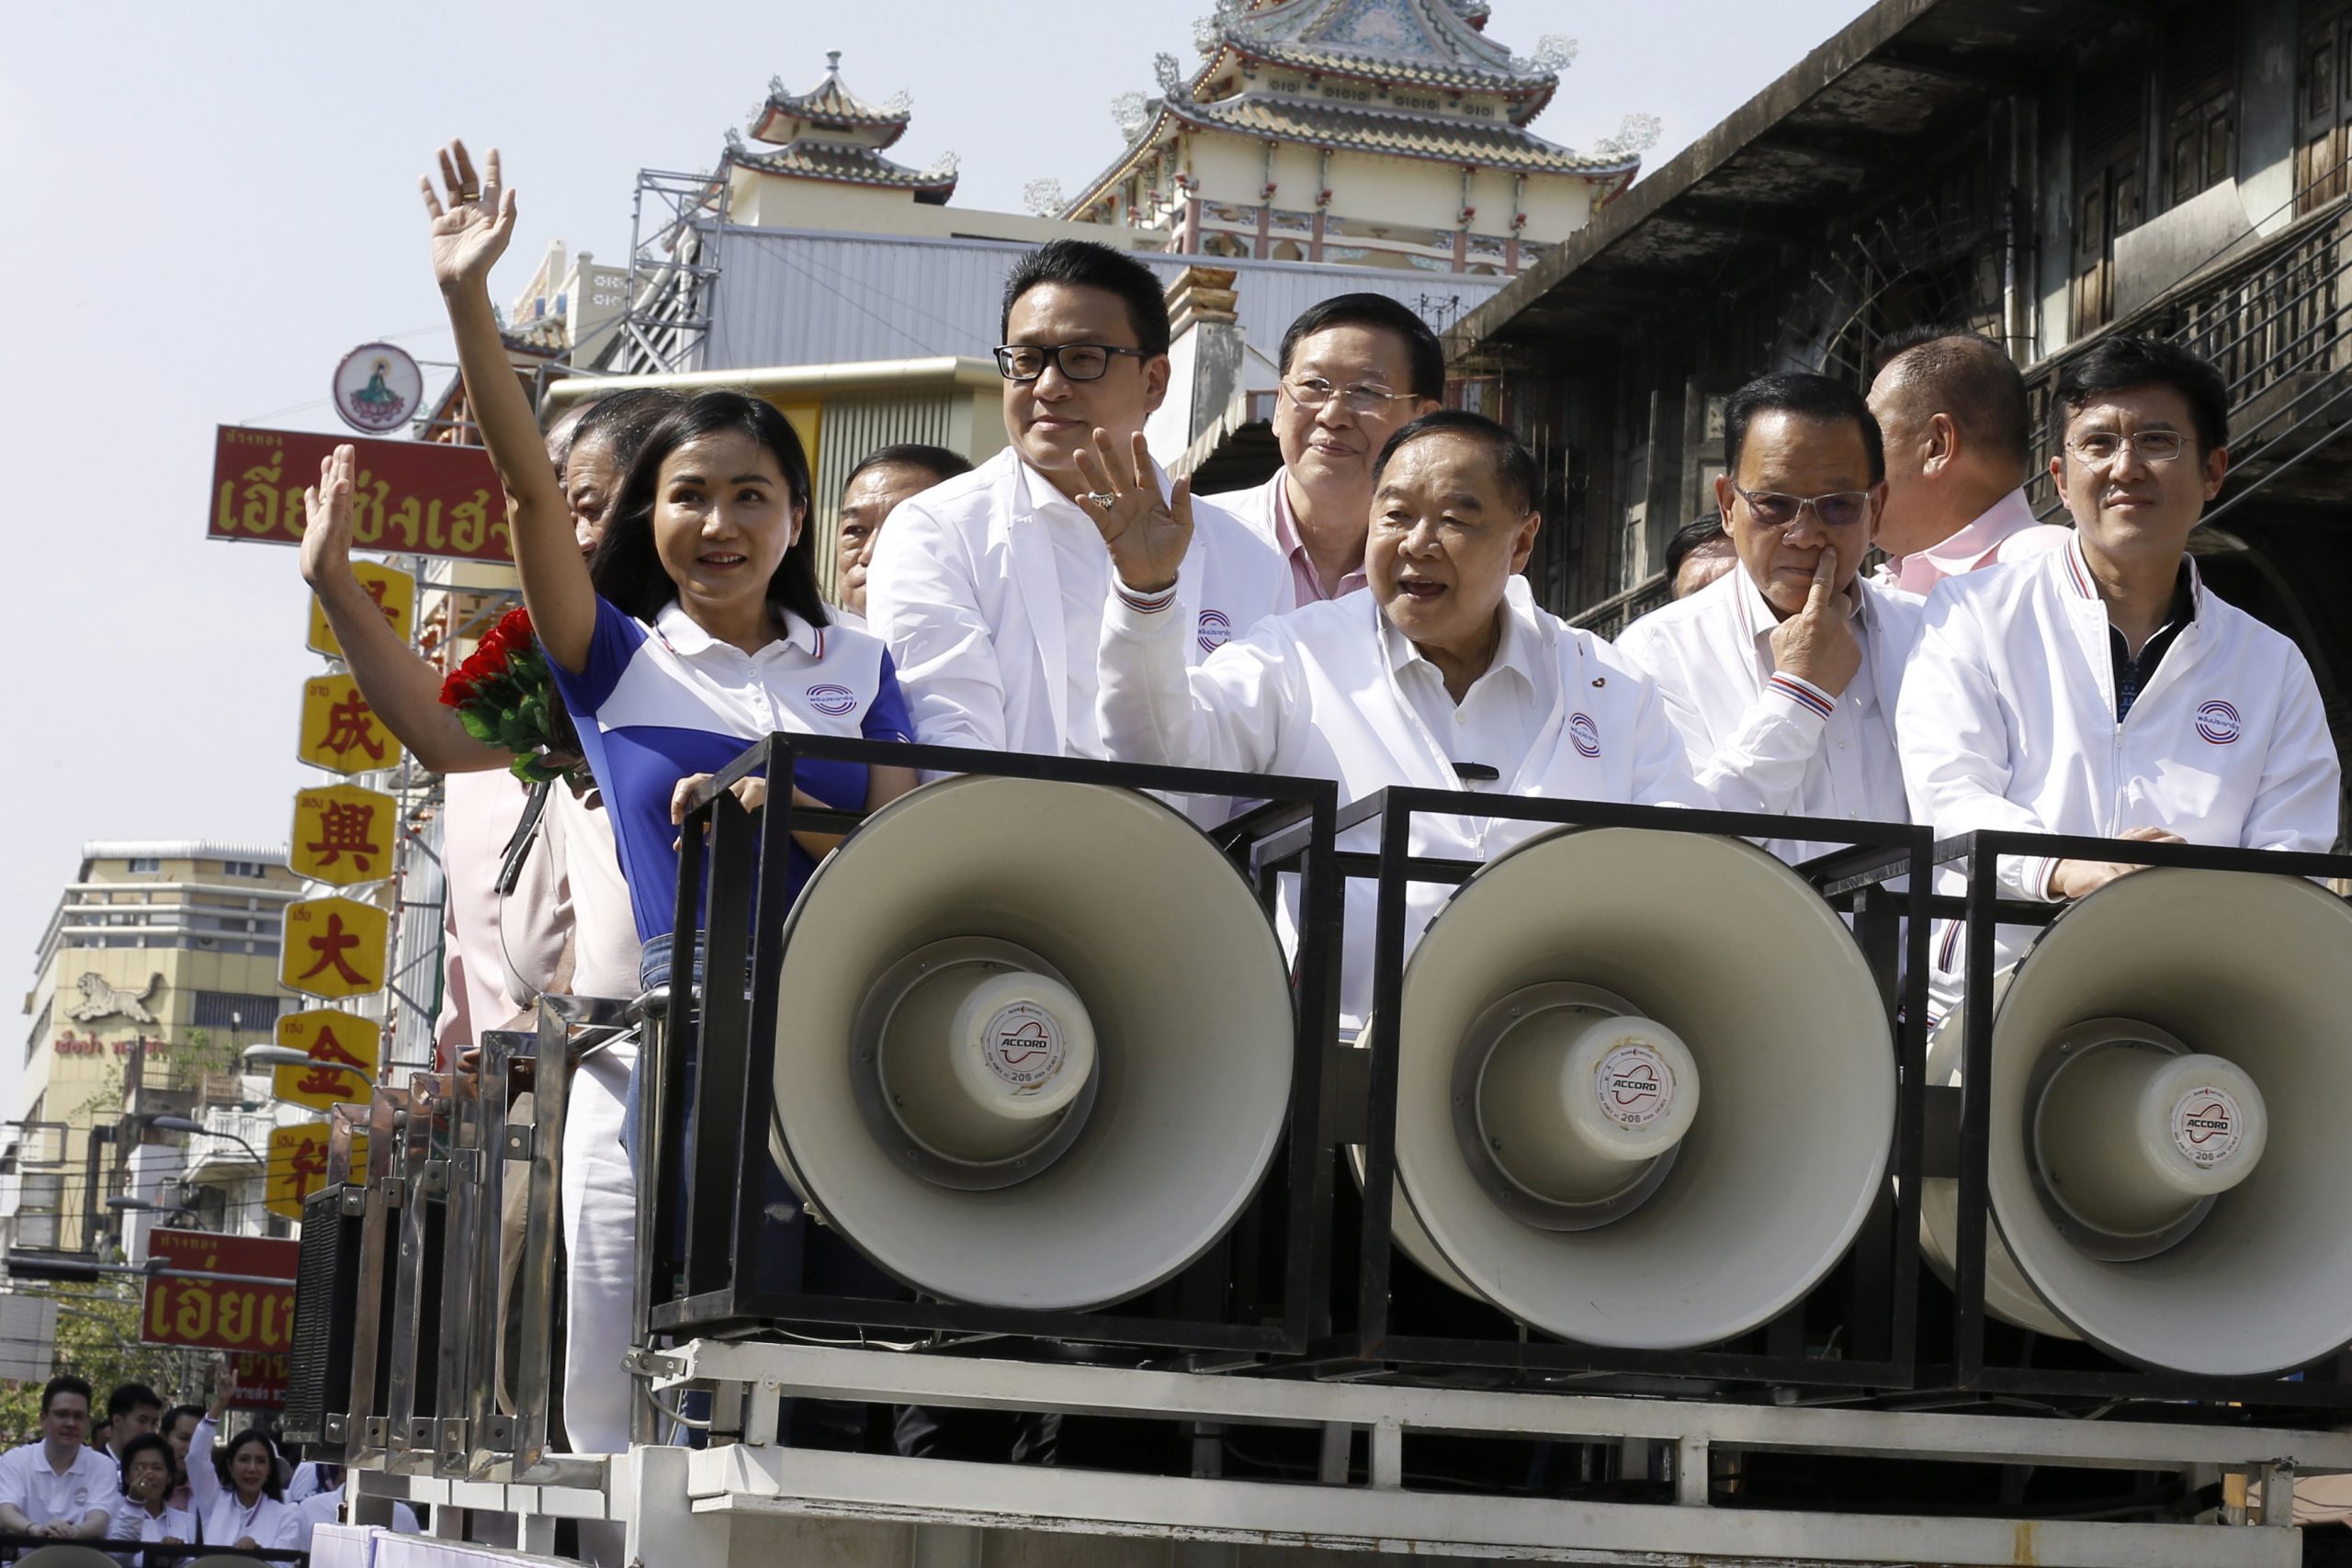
(1967, 550)
(1304, 578)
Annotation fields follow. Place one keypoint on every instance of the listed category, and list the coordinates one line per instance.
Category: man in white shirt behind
(56, 1486)
(1443, 675)
(1959, 449)
(1355, 368)
(988, 589)
(2102, 690)
(1782, 674)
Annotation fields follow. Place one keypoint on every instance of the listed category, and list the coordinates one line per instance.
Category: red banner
(221, 1314)
(260, 1382)
(412, 498)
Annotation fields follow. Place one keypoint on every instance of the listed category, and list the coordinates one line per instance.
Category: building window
(243, 868)
(236, 1012)
(145, 864)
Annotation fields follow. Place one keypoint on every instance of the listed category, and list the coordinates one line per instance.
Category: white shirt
(968, 588)
(1760, 740)
(133, 1522)
(224, 1520)
(2008, 721)
(2007, 530)
(1266, 509)
(91, 1483)
(1321, 692)
(326, 1508)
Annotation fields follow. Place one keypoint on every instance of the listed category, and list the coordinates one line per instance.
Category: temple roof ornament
(786, 117)
(1424, 43)
(829, 133)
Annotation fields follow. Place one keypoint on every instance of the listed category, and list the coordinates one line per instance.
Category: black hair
(2125, 363)
(1522, 482)
(195, 1413)
(151, 1442)
(131, 1396)
(624, 419)
(1378, 312)
(270, 1485)
(1691, 537)
(63, 1383)
(1971, 377)
(1805, 396)
(1083, 264)
(937, 461)
(627, 569)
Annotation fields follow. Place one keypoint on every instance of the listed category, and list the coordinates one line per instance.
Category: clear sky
(213, 203)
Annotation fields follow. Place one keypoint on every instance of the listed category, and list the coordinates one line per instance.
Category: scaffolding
(675, 224)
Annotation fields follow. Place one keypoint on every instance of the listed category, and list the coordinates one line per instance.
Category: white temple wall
(1401, 191)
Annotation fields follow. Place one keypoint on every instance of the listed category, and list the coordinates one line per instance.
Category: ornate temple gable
(1337, 48)
(829, 112)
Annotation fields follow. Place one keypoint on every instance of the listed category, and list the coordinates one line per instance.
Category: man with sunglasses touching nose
(1355, 369)
(1782, 674)
(2102, 689)
(989, 588)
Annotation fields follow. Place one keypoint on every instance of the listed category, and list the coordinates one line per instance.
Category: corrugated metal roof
(182, 849)
(792, 297)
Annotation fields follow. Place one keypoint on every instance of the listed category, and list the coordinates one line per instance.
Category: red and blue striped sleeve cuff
(1803, 693)
(1143, 603)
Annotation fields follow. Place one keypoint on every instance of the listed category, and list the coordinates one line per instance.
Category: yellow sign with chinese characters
(343, 835)
(344, 1045)
(395, 592)
(340, 732)
(334, 948)
(298, 1167)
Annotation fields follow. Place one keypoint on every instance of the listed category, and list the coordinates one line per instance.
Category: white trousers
(600, 1244)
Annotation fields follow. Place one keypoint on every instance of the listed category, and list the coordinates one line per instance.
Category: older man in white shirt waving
(1782, 674)
(1959, 449)
(989, 588)
(56, 1486)
(1443, 674)
(2103, 690)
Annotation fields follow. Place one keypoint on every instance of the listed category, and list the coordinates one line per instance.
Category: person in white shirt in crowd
(2103, 690)
(1782, 674)
(177, 1426)
(57, 1486)
(322, 1504)
(880, 482)
(1444, 674)
(239, 1494)
(1355, 368)
(1958, 436)
(150, 1474)
(134, 1410)
(990, 589)
(1699, 553)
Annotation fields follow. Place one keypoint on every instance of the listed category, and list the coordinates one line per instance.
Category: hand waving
(1147, 536)
(470, 234)
(1817, 644)
(326, 508)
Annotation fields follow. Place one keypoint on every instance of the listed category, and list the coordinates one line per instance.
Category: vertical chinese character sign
(298, 1167)
(344, 1045)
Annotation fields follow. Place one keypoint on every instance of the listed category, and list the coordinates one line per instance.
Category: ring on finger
(1101, 498)
(469, 195)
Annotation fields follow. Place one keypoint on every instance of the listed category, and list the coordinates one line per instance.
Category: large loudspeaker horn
(2167, 1166)
(1645, 1086)
(1034, 1042)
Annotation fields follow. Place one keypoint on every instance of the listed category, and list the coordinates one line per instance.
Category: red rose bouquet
(505, 697)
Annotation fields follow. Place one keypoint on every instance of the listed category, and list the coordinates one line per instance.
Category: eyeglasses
(1076, 361)
(1312, 393)
(2100, 448)
(1774, 510)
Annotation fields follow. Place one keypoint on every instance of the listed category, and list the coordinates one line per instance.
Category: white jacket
(2008, 721)
(965, 590)
(1314, 692)
(1765, 743)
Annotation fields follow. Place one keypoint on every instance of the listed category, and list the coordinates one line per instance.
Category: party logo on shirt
(2217, 721)
(1216, 630)
(1585, 734)
(833, 701)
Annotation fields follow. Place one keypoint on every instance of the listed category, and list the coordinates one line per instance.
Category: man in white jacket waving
(2102, 689)
(1443, 674)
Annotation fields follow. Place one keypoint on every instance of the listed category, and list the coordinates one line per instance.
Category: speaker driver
(1034, 1042)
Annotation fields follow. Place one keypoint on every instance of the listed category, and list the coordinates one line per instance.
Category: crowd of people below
(1360, 616)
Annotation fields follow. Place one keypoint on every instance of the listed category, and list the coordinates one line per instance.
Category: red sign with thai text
(260, 1382)
(221, 1314)
(412, 498)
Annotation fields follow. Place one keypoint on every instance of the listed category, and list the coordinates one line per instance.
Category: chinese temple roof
(785, 117)
(1398, 134)
(1425, 44)
(844, 164)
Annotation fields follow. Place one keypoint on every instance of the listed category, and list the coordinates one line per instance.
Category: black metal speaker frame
(1226, 1303)
(326, 1304)
(2324, 1387)
(1883, 1262)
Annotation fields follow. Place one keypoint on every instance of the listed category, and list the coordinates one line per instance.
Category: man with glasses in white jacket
(2103, 690)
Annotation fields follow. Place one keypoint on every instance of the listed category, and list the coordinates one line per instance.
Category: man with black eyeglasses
(2102, 689)
(1782, 673)
(988, 589)
(1355, 369)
